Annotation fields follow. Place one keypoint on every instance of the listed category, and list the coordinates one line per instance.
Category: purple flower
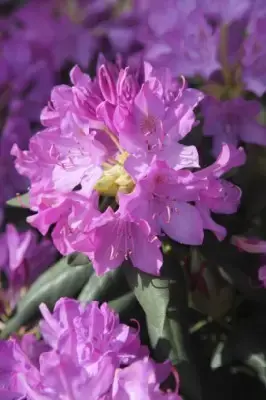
(139, 380)
(225, 11)
(60, 378)
(206, 38)
(7, 395)
(14, 363)
(179, 203)
(172, 33)
(73, 329)
(72, 215)
(119, 136)
(23, 259)
(88, 352)
(254, 58)
(39, 39)
(114, 237)
(162, 198)
(232, 121)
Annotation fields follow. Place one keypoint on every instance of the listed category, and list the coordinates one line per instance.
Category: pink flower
(117, 136)
(232, 121)
(86, 350)
(139, 380)
(116, 236)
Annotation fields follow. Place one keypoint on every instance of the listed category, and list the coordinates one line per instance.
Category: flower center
(148, 125)
(115, 178)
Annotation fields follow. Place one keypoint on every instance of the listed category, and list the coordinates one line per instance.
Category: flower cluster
(202, 37)
(110, 172)
(22, 260)
(86, 352)
(37, 41)
(221, 42)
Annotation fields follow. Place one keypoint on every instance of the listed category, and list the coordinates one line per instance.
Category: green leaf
(61, 280)
(105, 287)
(165, 303)
(21, 201)
(246, 343)
(235, 266)
(123, 303)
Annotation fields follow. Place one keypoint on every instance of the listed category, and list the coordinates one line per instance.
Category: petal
(250, 245)
(146, 254)
(106, 245)
(179, 156)
(44, 219)
(61, 236)
(185, 225)
(148, 104)
(228, 158)
(210, 224)
(253, 132)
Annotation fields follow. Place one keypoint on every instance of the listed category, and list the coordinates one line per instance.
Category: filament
(114, 139)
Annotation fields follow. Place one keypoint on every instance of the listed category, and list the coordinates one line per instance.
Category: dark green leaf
(235, 265)
(165, 303)
(246, 343)
(61, 280)
(103, 288)
(123, 303)
(8, 6)
(21, 201)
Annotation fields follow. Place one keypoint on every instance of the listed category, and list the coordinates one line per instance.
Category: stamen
(112, 255)
(168, 210)
(114, 139)
(183, 81)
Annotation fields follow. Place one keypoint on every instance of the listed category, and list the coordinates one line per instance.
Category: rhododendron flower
(199, 38)
(118, 136)
(22, 260)
(139, 380)
(72, 328)
(232, 121)
(254, 57)
(226, 11)
(86, 352)
(172, 33)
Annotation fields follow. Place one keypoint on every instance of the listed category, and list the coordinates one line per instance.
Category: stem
(224, 55)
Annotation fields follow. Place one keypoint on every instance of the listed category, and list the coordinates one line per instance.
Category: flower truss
(110, 173)
(86, 353)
